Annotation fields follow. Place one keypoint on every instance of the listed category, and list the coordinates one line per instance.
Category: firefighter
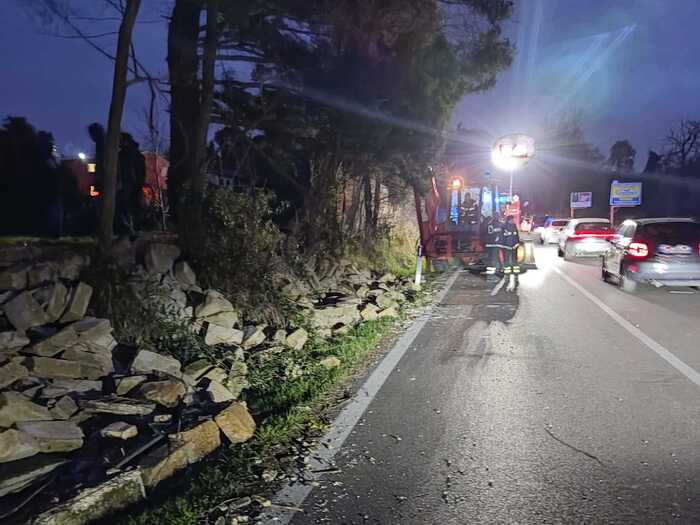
(493, 237)
(510, 241)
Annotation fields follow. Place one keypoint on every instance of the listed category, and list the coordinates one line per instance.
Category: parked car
(585, 238)
(552, 230)
(661, 252)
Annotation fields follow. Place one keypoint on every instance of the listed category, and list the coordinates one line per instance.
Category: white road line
(498, 286)
(650, 343)
(294, 495)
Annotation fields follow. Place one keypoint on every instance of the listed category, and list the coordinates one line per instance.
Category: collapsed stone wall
(85, 418)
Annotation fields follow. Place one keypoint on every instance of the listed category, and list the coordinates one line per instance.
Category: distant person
(494, 231)
(49, 187)
(511, 241)
(130, 180)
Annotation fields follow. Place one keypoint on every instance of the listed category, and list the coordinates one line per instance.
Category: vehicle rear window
(671, 232)
(559, 223)
(593, 227)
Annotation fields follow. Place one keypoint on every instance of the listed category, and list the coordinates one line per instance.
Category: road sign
(581, 199)
(625, 193)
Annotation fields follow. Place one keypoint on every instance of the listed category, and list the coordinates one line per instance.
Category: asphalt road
(531, 406)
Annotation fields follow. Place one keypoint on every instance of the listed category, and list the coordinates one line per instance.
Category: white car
(552, 230)
(585, 238)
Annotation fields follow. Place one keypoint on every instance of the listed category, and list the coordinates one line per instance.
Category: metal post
(510, 189)
(419, 265)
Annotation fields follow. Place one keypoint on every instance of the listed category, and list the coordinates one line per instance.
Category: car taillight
(638, 249)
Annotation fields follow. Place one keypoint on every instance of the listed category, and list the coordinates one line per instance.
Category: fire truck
(451, 215)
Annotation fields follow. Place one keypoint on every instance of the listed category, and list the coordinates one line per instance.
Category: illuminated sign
(581, 199)
(625, 193)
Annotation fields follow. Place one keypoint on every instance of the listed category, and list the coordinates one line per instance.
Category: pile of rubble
(96, 423)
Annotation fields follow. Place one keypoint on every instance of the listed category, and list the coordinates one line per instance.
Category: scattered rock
(41, 273)
(253, 336)
(93, 364)
(216, 374)
(162, 418)
(121, 406)
(70, 266)
(11, 372)
(77, 303)
(185, 448)
(236, 423)
(388, 312)
(94, 503)
(369, 312)
(184, 274)
(61, 387)
(297, 339)
(219, 335)
(23, 312)
(53, 436)
(13, 340)
(362, 291)
(386, 301)
(280, 337)
(14, 278)
(64, 408)
(50, 368)
(159, 258)
(147, 362)
(330, 362)
(15, 445)
(214, 303)
(331, 316)
(57, 302)
(95, 331)
(195, 370)
(16, 408)
(127, 384)
(54, 344)
(167, 393)
(237, 380)
(120, 430)
(218, 393)
(223, 319)
(387, 278)
(18, 475)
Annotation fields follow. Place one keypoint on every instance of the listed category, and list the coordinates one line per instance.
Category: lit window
(94, 192)
(92, 167)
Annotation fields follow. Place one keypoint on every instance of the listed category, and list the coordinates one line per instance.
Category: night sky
(629, 67)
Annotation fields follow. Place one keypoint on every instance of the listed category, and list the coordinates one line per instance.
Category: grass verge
(287, 389)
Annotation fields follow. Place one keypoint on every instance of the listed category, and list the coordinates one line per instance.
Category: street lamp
(512, 152)
(82, 156)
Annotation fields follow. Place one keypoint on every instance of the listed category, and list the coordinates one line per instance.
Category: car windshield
(593, 227)
(671, 232)
(559, 224)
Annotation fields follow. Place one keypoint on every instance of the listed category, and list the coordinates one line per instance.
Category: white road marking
(689, 372)
(293, 495)
(498, 286)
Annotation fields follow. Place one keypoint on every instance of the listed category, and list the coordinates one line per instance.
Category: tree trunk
(183, 34)
(116, 109)
(377, 203)
(367, 182)
(199, 177)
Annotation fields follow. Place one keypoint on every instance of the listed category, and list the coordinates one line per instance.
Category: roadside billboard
(625, 193)
(581, 199)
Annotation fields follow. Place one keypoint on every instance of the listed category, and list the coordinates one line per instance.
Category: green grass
(286, 390)
(67, 241)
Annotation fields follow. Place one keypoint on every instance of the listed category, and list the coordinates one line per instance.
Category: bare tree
(682, 144)
(125, 61)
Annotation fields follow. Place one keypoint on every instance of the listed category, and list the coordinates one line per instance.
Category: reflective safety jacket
(510, 237)
(494, 233)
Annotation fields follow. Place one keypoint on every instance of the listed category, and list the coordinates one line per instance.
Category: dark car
(661, 252)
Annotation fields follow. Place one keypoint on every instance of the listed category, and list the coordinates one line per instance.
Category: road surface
(566, 401)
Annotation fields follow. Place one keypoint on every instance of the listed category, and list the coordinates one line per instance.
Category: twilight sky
(629, 67)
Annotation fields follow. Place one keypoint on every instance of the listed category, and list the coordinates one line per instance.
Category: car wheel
(627, 284)
(568, 254)
(559, 252)
(604, 273)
